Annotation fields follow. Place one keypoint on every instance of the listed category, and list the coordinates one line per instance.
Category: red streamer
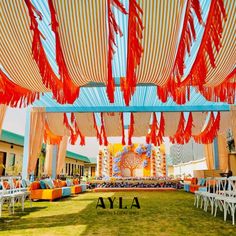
(50, 137)
(135, 50)
(131, 129)
(161, 130)
(113, 28)
(210, 132)
(14, 95)
(178, 137)
(71, 91)
(103, 132)
(96, 128)
(49, 78)
(123, 129)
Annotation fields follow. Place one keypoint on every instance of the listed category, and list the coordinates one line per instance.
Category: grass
(161, 213)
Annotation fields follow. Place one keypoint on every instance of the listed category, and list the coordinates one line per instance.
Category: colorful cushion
(6, 185)
(49, 183)
(35, 185)
(42, 184)
(69, 182)
(75, 181)
(56, 183)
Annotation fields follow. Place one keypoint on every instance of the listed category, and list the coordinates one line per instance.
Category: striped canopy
(120, 52)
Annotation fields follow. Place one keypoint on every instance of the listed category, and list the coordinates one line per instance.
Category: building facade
(11, 158)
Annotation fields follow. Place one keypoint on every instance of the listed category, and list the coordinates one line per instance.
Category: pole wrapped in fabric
(48, 160)
(37, 122)
(3, 109)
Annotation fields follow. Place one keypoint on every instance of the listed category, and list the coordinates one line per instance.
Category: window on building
(72, 171)
(66, 168)
(69, 170)
(82, 170)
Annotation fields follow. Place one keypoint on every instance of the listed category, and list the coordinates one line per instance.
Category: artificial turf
(161, 213)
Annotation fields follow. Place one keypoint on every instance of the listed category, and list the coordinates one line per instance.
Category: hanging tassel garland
(123, 129)
(113, 28)
(131, 129)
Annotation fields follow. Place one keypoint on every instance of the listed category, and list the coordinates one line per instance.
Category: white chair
(199, 195)
(221, 184)
(230, 200)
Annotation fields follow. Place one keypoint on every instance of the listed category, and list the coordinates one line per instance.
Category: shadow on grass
(167, 213)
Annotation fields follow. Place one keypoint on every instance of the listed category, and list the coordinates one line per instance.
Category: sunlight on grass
(161, 213)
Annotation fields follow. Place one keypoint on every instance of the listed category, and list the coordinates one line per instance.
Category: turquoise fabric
(69, 182)
(42, 184)
(66, 191)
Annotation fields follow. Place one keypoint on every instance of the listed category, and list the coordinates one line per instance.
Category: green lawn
(161, 213)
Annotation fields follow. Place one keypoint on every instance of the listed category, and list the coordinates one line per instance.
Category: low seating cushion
(42, 184)
(84, 187)
(69, 182)
(35, 185)
(76, 189)
(66, 191)
(46, 194)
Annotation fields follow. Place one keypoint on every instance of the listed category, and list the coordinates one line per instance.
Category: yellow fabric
(48, 160)
(62, 154)
(223, 153)
(208, 148)
(16, 46)
(233, 121)
(46, 194)
(37, 121)
(3, 109)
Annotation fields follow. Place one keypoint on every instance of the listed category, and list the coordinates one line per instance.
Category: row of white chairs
(12, 195)
(220, 193)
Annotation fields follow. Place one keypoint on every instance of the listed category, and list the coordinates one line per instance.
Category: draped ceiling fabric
(225, 123)
(83, 37)
(223, 153)
(141, 123)
(37, 122)
(225, 58)
(208, 150)
(233, 120)
(85, 124)
(171, 123)
(160, 40)
(3, 109)
(199, 119)
(112, 123)
(16, 46)
(56, 125)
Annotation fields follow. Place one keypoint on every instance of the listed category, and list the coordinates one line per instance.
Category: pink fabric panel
(199, 119)
(37, 121)
(62, 154)
(171, 123)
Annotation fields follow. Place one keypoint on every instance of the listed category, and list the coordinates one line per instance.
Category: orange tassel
(103, 132)
(123, 129)
(49, 137)
(71, 91)
(113, 28)
(131, 129)
(135, 50)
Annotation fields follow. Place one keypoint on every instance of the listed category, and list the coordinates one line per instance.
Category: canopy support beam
(163, 108)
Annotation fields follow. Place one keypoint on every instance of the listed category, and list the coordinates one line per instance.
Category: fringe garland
(179, 135)
(103, 132)
(113, 28)
(49, 78)
(161, 130)
(123, 129)
(188, 35)
(71, 91)
(135, 50)
(49, 137)
(74, 132)
(131, 129)
(151, 137)
(212, 34)
(197, 76)
(183, 134)
(96, 128)
(224, 92)
(14, 95)
(210, 132)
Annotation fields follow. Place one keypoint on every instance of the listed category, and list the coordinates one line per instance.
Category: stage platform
(133, 189)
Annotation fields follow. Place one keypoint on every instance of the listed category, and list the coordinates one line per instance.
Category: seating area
(220, 194)
(14, 190)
